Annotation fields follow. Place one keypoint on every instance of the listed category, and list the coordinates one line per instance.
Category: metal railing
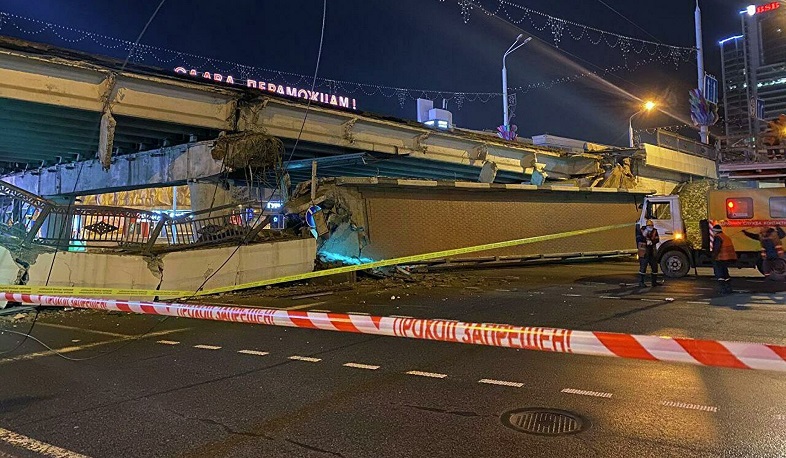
(26, 220)
(679, 143)
(207, 227)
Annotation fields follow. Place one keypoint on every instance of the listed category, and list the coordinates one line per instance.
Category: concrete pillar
(206, 195)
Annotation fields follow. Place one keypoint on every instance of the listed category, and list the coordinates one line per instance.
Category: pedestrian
(647, 242)
(771, 246)
(723, 254)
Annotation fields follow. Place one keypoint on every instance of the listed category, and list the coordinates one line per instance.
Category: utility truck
(741, 212)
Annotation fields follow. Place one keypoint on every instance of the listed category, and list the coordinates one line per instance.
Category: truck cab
(674, 253)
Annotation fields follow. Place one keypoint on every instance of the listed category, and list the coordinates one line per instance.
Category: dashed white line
(369, 367)
(427, 374)
(490, 381)
(699, 302)
(168, 342)
(610, 297)
(685, 405)
(597, 394)
(357, 313)
(572, 295)
(253, 352)
(42, 448)
(651, 300)
(307, 359)
(321, 311)
(207, 347)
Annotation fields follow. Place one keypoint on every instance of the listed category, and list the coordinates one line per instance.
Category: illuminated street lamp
(648, 106)
(515, 46)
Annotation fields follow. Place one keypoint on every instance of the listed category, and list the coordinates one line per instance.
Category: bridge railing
(679, 143)
(26, 220)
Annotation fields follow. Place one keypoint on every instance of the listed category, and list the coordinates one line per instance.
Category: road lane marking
(597, 394)
(72, 349)
(42, 448)
(254, 352)
(207, 347)
(610, 297)
(490, 381)
(427, 374)
(168, 342)
(572, 295)
(304, 306)
(358, 313)
(651, 300)
(369, 367)
(74, 328)
(699, 302)
(321, 311)
(307, 359)
(399, 316)
(685, 405)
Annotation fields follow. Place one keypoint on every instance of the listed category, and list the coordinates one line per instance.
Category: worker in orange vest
(723, 254)
(647, 243)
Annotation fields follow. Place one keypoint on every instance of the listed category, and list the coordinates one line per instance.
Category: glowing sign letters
(314, 96)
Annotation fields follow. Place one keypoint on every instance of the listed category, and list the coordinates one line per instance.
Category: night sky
(424, 44)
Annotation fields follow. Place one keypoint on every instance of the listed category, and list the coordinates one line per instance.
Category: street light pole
(648, 106)
(705, 132)
(505, 108)
(630, 129)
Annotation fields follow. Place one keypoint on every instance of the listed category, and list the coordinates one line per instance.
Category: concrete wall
(188, 269)
(181, 271)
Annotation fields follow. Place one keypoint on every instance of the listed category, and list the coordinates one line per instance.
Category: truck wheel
(674, 264)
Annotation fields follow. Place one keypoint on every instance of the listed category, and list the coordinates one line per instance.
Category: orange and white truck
(741, 212)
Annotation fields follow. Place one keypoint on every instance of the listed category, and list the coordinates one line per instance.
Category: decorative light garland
(166, 57)
(559, 28)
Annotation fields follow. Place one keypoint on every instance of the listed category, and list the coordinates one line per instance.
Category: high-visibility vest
(727, 251)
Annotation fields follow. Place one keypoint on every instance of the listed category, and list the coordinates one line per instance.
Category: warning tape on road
(114, 292)
(736, 355)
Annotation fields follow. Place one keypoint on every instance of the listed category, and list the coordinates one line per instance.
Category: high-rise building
(754, 72)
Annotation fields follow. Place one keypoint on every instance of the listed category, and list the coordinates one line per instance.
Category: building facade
(754, 69)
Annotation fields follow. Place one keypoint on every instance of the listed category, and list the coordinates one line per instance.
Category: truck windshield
(659, 210)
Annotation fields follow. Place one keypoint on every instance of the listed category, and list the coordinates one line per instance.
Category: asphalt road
(206, 389)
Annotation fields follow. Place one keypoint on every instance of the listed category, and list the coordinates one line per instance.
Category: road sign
(757, 108)
(711, 88)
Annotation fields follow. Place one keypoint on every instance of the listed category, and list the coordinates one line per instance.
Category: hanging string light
(560, 28)
(160, 56)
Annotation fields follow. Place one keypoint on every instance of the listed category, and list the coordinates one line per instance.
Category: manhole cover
(547, 422)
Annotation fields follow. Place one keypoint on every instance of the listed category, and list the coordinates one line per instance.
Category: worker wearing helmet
(723, 254)
(647, 241)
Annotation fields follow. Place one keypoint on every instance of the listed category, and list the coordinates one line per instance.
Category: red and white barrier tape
(737, 355)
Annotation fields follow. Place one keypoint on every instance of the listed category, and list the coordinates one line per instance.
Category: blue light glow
(729, 39)
(343, 259)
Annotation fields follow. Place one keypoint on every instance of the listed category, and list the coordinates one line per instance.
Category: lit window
(739, 208)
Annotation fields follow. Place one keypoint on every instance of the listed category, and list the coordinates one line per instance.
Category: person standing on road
(771, 246)
(723, 254)
(646, 242)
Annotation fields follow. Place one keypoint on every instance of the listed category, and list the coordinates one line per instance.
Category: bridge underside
(52, 102)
